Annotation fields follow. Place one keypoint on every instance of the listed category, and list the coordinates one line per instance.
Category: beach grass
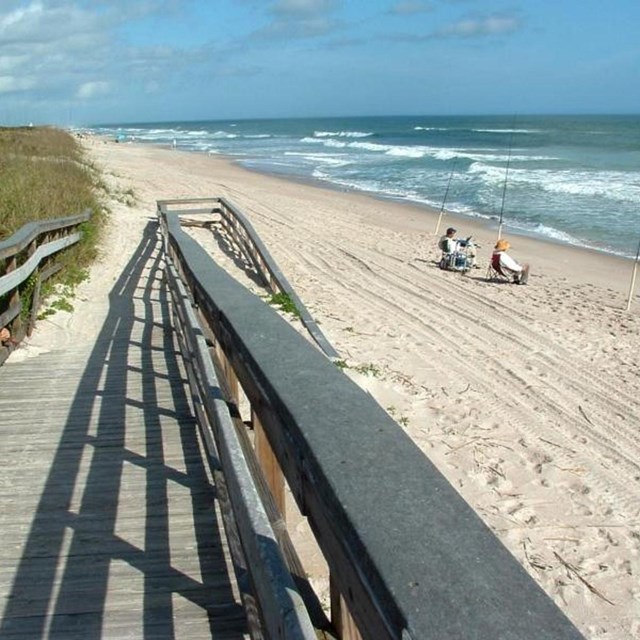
(44, 174)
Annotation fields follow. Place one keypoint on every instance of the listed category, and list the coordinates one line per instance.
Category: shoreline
(553, 221)
(490, 223)
(555, 257)
(481, 225)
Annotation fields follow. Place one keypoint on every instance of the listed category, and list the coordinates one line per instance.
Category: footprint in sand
(537, 460)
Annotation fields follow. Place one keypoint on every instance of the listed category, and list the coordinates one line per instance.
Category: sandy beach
(527, 398)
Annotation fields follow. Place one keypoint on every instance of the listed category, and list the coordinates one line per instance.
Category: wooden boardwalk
(109, 520)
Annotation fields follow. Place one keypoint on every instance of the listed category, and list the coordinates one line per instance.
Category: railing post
(35, 292)
(35, 304)
(14, 298)
(341, 619)
(229, 374)
(269, 464)
(33, 245)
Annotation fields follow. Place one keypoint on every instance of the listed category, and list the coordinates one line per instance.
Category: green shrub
(285, 303)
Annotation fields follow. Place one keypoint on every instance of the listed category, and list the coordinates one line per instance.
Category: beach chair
(458, 259)
(495, 273)
(455, 261)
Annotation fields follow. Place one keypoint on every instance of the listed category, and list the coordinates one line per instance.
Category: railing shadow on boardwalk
(62, 583)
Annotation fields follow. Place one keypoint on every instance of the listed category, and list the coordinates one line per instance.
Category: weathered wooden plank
(156, 624)
(33, 463)
(38, 543)
(87, 596)
(110, 522)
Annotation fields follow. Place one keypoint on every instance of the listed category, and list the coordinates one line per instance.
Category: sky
(84, 62)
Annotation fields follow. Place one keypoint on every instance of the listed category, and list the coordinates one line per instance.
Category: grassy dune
(44, 174)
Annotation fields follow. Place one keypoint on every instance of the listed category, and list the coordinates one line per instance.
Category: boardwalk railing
(241, 231)
(29, 252)
(408, 558)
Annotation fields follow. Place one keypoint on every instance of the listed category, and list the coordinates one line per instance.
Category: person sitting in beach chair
(504, 265)
(447, 243)
(457, 255)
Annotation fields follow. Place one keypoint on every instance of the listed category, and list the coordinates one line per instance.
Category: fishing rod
(445, 197)
(504, 188)
(633, 277)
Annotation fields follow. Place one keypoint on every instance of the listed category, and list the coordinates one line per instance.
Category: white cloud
(477, 27)
(7, 63)
(299, 19)
(94, 89)
(302, 7)
(152, 87)
(471, 27)
(300, 28)
(38, 23)
(11, 84)
(410, 7)
(53, 50)
(14, 18)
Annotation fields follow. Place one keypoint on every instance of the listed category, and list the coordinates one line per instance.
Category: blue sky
(92, 61)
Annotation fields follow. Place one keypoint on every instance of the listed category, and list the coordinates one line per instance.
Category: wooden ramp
(109, 520)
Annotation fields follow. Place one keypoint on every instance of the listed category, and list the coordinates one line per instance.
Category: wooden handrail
(408, 556)
(281, 605)
(30, 231)
(24, 253)
(256, 253)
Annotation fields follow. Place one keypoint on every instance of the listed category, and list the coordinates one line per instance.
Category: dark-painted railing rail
(26, 253)
(408, 558)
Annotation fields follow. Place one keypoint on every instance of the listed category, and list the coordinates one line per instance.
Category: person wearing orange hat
(504, 264)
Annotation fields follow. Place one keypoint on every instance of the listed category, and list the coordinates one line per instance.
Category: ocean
(571, 179)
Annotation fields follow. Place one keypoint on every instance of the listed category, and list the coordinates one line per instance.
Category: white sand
(526, 398)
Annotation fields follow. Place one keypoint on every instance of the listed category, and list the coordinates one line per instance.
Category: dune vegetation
(44, 174)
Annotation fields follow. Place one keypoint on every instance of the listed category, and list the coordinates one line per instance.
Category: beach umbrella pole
(633, 278)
